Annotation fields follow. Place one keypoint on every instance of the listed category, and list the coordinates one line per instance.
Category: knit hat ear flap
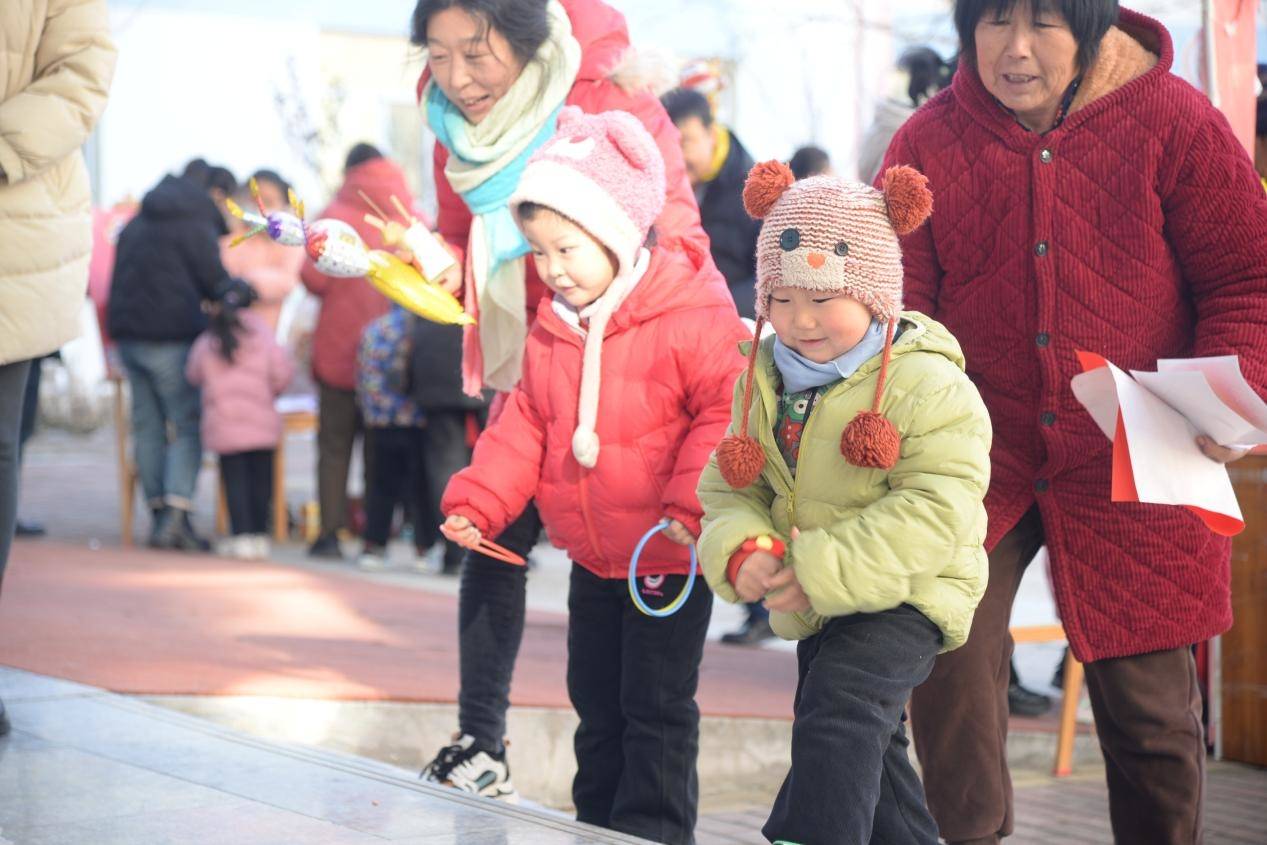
(739, 457)
(766, 182)
(629, 141)
(569, 116)
(871, 440)
(908, 198)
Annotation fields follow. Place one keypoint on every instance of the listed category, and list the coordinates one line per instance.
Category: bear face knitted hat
(605, 173)
(602, 171)
(827, 234)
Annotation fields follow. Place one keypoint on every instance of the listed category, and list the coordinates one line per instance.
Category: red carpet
(146, 622)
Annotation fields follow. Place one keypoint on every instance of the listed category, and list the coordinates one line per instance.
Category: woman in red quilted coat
(497, 72)
(1088, 199)
(628, 375)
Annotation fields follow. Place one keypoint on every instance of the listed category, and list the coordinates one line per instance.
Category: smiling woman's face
(472, 63)
(1027, 61)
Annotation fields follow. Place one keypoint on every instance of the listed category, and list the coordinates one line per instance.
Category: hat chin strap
(585, 444)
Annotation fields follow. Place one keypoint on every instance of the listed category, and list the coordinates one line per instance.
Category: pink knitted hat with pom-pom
(603, 171)
(827, 234)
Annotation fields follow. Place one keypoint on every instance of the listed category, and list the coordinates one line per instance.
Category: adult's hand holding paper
(1155, 456)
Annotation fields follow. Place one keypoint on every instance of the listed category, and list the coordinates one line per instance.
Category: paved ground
(1074, 812)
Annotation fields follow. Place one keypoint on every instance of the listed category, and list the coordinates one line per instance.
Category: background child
(395, 449)
(658, 332)
(849, 496)
(241, 369)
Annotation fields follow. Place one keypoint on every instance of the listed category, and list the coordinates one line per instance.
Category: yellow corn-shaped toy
(403, 284)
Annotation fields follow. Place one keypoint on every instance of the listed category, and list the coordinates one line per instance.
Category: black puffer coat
(732, 233)
(167, 262)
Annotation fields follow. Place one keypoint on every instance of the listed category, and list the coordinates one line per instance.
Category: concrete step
(741, 763)
(84, 765)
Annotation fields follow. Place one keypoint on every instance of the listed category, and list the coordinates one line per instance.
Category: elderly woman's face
(474, 65)
(1027, 61)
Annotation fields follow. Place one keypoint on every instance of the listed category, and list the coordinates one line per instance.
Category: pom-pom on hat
(828, 234)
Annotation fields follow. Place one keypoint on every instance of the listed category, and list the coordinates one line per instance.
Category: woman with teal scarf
(498, 72)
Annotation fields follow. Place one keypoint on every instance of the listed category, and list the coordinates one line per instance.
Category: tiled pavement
(1071, 811)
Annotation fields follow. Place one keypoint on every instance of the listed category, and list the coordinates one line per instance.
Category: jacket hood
(602, 33)
(178, 197)
(379, 179)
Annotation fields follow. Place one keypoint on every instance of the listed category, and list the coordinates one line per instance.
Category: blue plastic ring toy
(673, 606)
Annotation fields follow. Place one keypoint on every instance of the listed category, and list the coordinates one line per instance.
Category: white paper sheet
(1169, 468)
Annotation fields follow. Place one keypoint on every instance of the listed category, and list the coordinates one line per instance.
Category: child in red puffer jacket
(626, 390)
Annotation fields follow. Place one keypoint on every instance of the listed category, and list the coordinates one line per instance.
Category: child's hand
(752, 581)
(678, 533)
(789, 597)
(460, 530)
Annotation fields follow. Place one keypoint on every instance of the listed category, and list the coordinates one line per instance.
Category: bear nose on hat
(816, 259)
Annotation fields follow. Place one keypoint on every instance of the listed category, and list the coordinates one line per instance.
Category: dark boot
(754, 630)
(4, 720)
(28, 529)
(157, 517)
(177, 532)
(1025, 702)
(326, 548)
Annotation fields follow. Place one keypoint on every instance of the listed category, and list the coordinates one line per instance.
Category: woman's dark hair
(809, 161)
(226, 323)
(682, 103)
(272, 177)
(360, 154)
(1089, 20)
(221, 179)
(928, 73)
(525, 24)
(1260, 120)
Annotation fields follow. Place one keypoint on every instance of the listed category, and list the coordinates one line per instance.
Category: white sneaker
(370, 562)
(241, 547)
(263, 547)
(468, 769)
(431, 561)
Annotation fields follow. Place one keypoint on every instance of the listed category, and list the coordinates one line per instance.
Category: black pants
(12, 391)
(248, 489)
(491, 602)
(395, 457)
(31, 404)
(632, 680)
(445, 452)
(851, 780)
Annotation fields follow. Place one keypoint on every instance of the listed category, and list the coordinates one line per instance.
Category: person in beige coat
(55, 72)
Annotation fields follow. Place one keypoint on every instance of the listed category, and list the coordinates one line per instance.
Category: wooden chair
(1072, 692)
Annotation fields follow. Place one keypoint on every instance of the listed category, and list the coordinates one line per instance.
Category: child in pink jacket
(241, 369)
(627, 377)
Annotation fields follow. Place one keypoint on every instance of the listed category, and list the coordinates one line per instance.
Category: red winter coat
(669, 364)
(1153, 234)
(349, 305)
(604, 40)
